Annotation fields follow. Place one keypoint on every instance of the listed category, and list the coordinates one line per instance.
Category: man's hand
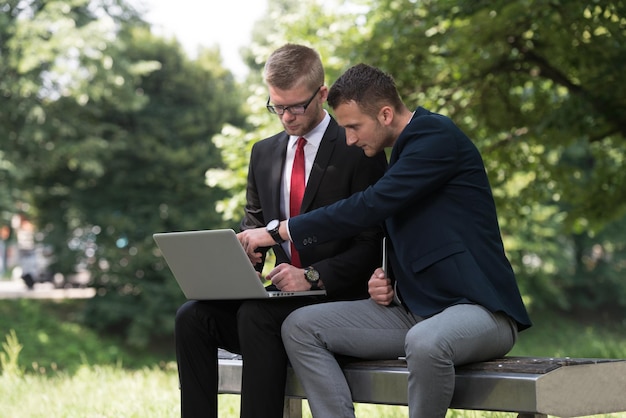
(380, 288)
(253, 239)
(288, 278)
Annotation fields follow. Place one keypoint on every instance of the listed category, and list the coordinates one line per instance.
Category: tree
(110, 140)
(538, 85)
(153, 180)
(41, 45)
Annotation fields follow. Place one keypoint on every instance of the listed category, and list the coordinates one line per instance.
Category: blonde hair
(292, 65)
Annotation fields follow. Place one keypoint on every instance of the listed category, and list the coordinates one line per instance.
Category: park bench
(528, 386)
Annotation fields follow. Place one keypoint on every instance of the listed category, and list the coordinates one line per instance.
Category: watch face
(312, 275)
(273, 224)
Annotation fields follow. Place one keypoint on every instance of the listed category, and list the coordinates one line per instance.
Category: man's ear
(323, 93)
(385, 115)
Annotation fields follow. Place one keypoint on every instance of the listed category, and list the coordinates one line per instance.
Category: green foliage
(587, 335)
(154, 180)
(42, 44)
(53, 338)
(109, 142)
(530, 81)
(538, 85)
(9, 357)
(110, 134)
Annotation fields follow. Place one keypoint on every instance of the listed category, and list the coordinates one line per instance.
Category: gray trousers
(460, 334)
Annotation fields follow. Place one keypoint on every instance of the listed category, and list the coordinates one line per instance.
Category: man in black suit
(456, 299)
(295, 78)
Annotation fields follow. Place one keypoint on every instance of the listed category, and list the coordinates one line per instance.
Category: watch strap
(276, 235)
(313, 277)
(274, 231)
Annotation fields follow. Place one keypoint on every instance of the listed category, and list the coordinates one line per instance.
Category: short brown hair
(291, 65)
(369, 87)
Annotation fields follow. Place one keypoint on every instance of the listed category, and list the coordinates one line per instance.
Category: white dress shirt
(313, 140)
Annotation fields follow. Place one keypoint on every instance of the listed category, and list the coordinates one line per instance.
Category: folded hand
(380, 288)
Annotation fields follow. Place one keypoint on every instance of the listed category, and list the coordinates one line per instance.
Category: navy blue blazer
(438, 210)
(344, 264)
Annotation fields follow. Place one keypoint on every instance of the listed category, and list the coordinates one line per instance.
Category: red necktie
(297, 191)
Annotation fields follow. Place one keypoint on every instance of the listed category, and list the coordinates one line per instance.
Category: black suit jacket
(436, 204)
(344, 264)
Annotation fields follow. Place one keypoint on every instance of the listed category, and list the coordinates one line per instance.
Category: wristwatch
(313, 277)
(272, 229)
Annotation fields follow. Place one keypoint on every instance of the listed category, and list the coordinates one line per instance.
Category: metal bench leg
(532, 416)
(292, 408)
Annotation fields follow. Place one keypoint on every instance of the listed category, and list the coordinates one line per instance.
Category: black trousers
(250, 328)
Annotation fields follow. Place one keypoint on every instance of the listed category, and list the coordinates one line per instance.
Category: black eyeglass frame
(280, 110)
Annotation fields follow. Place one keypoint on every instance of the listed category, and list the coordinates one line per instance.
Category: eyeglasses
(293, 109)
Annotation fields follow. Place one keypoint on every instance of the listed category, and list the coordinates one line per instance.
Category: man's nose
(287, 116)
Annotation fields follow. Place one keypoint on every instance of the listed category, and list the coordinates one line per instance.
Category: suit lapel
(324, 153)
(276, 173)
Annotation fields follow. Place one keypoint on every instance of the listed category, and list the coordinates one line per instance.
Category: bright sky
(227, 23)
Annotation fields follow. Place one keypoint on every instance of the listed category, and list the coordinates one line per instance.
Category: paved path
(16, 288)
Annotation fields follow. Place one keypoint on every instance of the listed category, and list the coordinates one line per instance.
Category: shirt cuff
(288, 231)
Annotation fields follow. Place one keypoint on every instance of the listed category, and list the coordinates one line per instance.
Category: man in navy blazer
(449, 296)
(295, 78)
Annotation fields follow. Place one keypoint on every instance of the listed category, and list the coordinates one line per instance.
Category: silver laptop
(212, 264)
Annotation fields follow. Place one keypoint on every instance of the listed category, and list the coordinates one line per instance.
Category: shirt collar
(314, 137)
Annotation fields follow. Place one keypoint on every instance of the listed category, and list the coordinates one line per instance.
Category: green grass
(52, 366)
(54, 339)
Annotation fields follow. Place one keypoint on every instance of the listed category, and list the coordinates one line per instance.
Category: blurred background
(112, 129)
